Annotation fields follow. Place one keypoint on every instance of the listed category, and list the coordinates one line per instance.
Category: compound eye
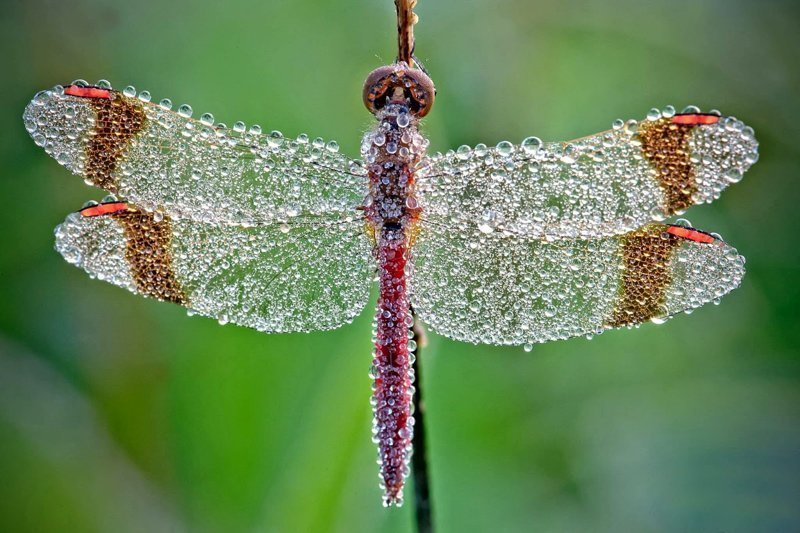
(417, 88)
(422, 91)
(376, 87)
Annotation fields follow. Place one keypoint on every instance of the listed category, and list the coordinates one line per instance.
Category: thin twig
(419, 459)
(406, 18)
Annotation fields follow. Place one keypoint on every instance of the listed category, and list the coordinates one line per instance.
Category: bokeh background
(122, 414)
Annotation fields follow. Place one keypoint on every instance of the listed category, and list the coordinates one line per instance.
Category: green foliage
(122, 414)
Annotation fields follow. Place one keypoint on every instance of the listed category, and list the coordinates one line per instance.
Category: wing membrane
(605, 184)
(491, 289)
(275, 278)
(164, 160)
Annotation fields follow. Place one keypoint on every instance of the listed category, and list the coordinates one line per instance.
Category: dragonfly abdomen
(392, 371)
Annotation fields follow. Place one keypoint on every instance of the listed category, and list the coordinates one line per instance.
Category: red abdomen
(393, 423)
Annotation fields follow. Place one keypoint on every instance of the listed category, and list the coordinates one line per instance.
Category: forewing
(604, 184)
(274, 278)
(163, 160)
(501, 290)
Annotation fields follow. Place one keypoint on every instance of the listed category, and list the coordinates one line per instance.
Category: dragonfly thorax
(392, 151)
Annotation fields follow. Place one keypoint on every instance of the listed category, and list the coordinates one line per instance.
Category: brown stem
(419, 459)
(406, 18)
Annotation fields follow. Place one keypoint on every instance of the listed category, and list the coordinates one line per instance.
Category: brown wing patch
(149, 255)
(666, 145)
(118, 120)
(646, 255)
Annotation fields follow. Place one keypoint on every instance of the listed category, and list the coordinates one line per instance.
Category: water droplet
(41, 97)
(531, 145)
(733, 175)
(570, 154)
(403, 120)
(129, 91)
(658, 213)
(275, 139)
(504, 148)
(185, 110)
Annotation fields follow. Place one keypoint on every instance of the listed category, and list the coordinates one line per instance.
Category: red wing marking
(87, 92)
(696, 119)
(690, 234)
(104, 209)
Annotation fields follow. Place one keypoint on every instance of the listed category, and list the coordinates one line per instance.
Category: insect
(514, 244)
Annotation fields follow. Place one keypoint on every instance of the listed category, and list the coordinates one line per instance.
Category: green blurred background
(123, 414)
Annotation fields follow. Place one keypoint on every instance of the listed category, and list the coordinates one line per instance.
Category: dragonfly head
(399, 83)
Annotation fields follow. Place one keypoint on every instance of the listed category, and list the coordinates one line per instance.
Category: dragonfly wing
(605, 184)
(500, 290)
(274, 278)
(164, 160)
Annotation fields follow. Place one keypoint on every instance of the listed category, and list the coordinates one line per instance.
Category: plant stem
(419, 459)
(406, 18)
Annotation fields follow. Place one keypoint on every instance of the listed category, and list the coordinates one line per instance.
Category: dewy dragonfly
(511, 244)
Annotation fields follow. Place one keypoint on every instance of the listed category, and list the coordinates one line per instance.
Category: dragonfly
(512, 244)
